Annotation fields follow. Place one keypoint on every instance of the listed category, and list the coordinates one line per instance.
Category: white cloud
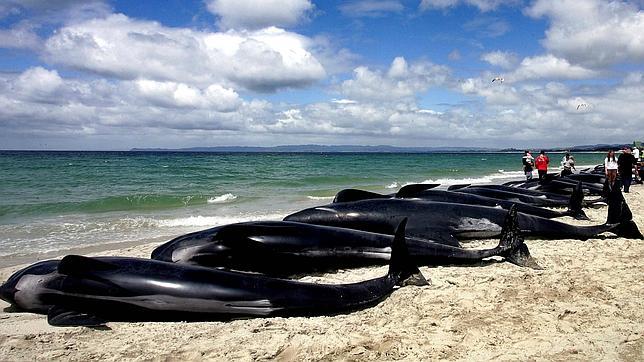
(371, 8)
(402, 80)
(177, 95)
(176, 115)
(118, 46)
(505, 60)
(487, 27)
(20, 36)
(483, 5)
(38, 83)
(250, 14)
(593, 33)
(550, 67)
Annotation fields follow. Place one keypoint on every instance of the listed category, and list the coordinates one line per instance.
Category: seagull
(581, 105)
(498, 79)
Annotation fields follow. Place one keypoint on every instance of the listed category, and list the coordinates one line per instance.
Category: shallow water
(54, 201)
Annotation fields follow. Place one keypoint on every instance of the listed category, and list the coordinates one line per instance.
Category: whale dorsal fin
(413, 189)
(74, 264)
(459, 186)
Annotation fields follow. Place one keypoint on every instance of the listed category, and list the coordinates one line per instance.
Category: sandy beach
(587, 304)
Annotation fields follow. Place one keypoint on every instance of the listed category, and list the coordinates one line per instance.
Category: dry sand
(585, 305)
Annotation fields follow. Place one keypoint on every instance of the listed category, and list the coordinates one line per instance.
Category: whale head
(25, 288)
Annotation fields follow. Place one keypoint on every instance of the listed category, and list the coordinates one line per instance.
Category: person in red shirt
(541, 163)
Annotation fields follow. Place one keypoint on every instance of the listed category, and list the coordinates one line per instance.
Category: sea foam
(221, 198)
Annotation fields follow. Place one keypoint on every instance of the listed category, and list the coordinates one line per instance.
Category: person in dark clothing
(528, 163)
(625, 165)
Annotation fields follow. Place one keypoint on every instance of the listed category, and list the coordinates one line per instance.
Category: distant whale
(91, 291)
(287, 248)
(574, 203)
(449, 222)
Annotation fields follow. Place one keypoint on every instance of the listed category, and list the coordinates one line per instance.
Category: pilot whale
(88, 291)
(450, 222)
(287, 248)
(574, 204)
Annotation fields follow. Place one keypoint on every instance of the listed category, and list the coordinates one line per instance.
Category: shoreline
(585, 304)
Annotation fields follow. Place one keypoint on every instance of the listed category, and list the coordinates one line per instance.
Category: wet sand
(587, 304)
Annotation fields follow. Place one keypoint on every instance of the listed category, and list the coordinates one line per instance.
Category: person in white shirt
(638, 160)
(610, 167)
(568, 164)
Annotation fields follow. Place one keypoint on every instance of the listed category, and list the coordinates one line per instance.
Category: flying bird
(582, 106)
(497, 79)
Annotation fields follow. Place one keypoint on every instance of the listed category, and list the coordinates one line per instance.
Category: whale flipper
(63, 317)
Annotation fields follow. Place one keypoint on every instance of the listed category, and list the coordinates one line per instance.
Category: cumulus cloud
(40, 104)
(38, 83)
(402, 80)
(505, 60)
(118, 46)
(594, 33)
(20, 36)
(178, 95)
(550, 67)
(483, 5)
(250, 14)
(371, 8)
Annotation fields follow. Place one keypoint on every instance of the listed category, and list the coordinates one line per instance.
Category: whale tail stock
(575, 204)
(620, 214)
(516, 251)
(401, 265)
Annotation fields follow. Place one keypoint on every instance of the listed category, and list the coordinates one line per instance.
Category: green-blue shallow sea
(58, 201)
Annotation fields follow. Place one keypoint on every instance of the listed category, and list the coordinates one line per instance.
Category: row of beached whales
(239, 270)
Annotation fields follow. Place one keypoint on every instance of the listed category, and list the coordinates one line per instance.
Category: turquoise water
(62, 200)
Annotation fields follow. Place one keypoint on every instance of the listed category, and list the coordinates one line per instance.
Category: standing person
(528, 164)
(542, 162)
(625, 165)
(636, 154)
(610, 167)
(568, 164)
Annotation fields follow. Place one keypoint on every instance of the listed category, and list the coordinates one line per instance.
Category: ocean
(58, 202)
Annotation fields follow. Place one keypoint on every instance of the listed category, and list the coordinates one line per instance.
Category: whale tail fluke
(512, 241)
(620, 214)
(401, 265)
(576, 202)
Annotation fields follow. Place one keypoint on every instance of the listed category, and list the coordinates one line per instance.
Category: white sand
(586, 305)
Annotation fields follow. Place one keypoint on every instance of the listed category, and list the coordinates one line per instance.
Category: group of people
(541, 164)
(626, 166)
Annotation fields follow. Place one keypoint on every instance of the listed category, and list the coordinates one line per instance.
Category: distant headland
(375, 149)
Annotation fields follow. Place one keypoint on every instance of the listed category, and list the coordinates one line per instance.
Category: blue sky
(108, 75)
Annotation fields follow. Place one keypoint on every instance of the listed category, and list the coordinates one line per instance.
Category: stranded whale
(449, 222)
(80, 290)
(286, 248)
